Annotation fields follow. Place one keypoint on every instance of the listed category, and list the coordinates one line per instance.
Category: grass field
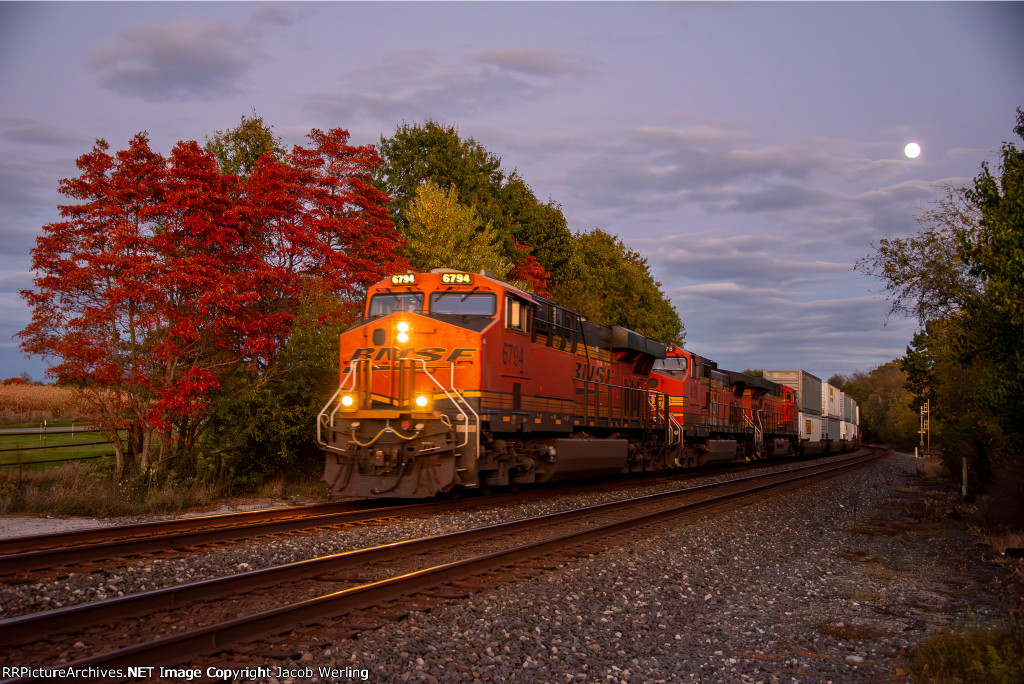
(46, 450)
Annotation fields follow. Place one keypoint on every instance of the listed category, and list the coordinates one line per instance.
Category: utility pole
(926, 428)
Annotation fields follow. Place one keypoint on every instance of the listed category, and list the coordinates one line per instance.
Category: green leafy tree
(994, 319)
(594, 273)
(418, 153)
(615, 287)
(501, 199)
(962, 276)
(539, 225)
(260, 428)
(928, 275)
(886, 414)
(238, 149)
(442, 233)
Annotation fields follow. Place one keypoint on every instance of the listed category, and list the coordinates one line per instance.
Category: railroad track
(377, 576)
(45, 552)
(20, 556)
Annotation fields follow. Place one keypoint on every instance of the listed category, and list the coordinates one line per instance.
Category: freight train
(456, 381)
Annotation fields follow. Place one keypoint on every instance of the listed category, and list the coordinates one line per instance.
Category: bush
(88, 490)
(984, 656)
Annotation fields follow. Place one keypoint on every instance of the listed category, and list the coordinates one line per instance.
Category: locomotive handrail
(476, 415)
(320, 416)
(673, 423)
(320, 421)
(674, 430)
(465, 418)
(455, 402)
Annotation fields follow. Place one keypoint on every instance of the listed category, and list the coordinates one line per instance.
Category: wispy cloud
(536, 62)
(754, 261)
(35, 132)
(743, 327)
(421, 83)
(184, 60)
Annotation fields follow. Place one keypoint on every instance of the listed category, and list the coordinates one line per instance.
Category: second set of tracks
(22, 557)
(343, 593)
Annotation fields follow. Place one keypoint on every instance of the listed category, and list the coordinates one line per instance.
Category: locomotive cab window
(517, 314)
(402, 302)
(455, 303)
(672, 363)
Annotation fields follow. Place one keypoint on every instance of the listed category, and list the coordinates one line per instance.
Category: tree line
(961, 276)
(196, 299)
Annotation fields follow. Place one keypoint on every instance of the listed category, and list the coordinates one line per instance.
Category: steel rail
(93, 535)
(193, 535)
(37, 552)
(218, 636)
(27, 628)
(55, 548)
(96, 535)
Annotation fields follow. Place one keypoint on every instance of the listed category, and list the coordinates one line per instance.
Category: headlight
(348, 402)
(403, 332)
(422, 401)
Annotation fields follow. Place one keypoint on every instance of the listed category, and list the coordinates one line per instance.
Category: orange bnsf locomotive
(458, 381)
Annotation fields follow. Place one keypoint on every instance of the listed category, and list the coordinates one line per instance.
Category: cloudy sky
(751, 151)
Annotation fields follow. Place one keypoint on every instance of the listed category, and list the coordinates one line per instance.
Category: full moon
(912, 150)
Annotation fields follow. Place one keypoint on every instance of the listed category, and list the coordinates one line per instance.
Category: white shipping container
(833, 429)
(810, 426)
(831, 401)
(849, 408)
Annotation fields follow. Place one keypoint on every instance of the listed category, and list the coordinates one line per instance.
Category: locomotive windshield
(672, 363)
(464, 303)
(383, 304)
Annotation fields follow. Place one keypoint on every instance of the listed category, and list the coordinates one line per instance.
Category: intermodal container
(807, 386)
(831, 401)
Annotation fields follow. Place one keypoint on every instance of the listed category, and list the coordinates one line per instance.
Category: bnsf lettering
(585, 371)
(431, 354)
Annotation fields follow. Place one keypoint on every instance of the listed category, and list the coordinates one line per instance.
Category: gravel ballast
(818, 584)
(134, 576)
(802, 587)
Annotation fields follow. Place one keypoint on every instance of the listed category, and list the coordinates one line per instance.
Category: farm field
(30, 407)
(27, 403)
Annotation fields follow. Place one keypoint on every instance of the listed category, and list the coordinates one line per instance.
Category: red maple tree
(167, 273)
(529, 271)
